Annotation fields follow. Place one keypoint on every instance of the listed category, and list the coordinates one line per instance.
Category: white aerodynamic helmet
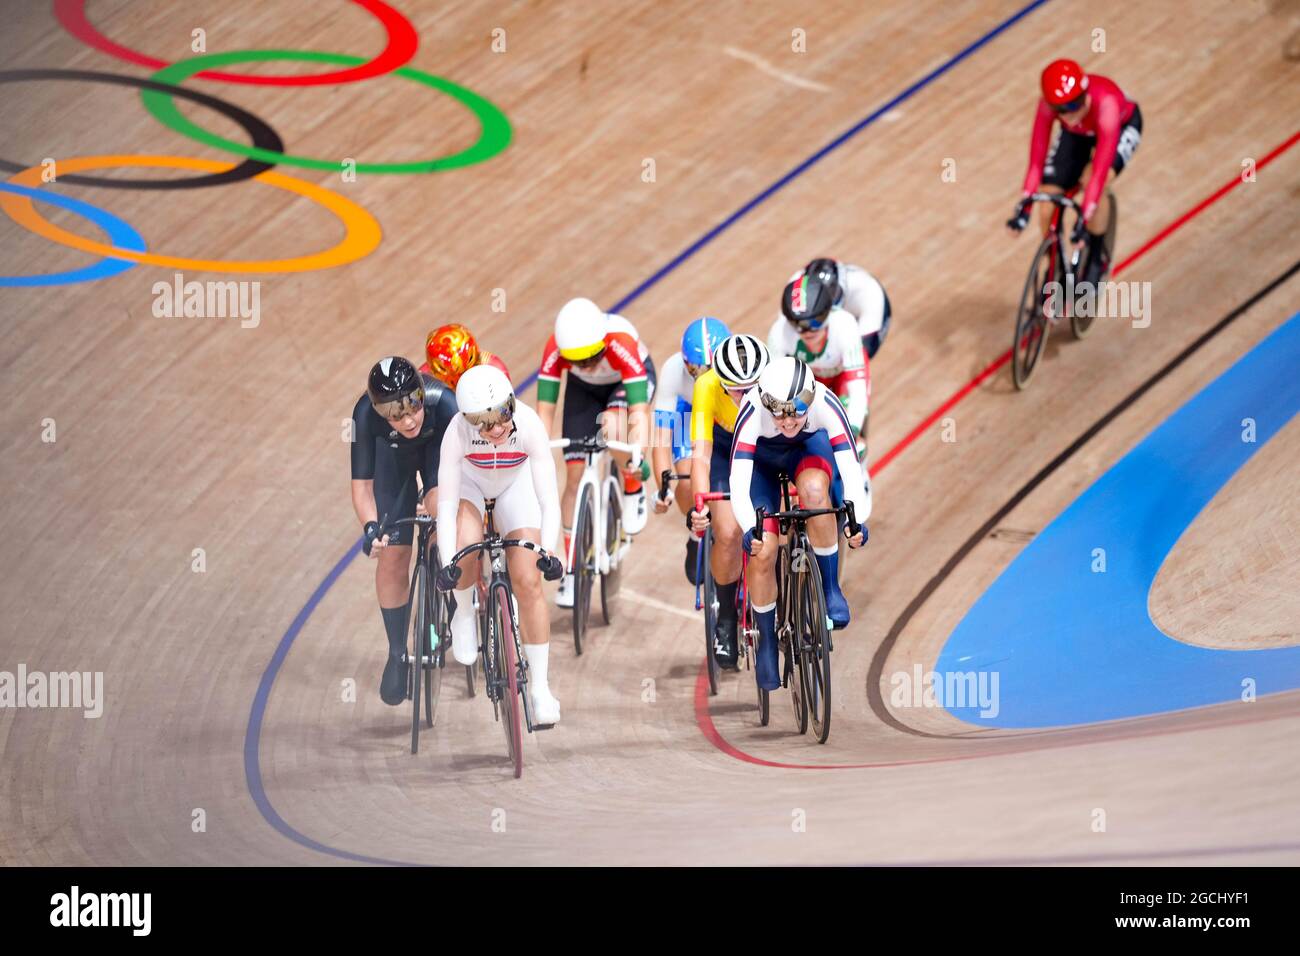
(787, 387)
(485, 396)
(739, 360)
(580, 330)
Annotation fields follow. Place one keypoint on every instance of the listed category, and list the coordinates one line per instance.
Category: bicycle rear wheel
(750, 626)
(1080, 324)
(507, 658)
(417, 639)
(710, 602)
(1032, 324)
(815, 657)
(613, 541)
(789, 623)
(437, 635)
(584, 567)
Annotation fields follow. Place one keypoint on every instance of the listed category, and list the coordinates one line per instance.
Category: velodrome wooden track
(176, 434)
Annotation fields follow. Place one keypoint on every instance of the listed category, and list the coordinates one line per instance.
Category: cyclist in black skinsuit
(397, 428)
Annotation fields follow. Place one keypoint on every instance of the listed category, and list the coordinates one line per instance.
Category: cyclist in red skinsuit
(1098, 124)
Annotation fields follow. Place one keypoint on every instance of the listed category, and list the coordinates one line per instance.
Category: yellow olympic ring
(362, 232)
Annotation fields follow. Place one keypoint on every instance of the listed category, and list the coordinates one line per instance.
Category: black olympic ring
(261, 134)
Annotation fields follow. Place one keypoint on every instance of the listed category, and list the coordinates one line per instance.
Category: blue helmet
(700, 339)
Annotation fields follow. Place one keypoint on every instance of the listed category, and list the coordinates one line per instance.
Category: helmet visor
(401, 406)
(695, 371)
(501, 414)
(809, 323)
(1070, 107)
(794, 408)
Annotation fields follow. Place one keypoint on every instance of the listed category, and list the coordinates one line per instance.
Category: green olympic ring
(494, 134)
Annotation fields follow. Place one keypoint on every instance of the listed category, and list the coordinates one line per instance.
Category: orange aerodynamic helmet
(452, 352)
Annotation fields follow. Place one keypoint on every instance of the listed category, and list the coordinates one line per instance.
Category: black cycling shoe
(724, 644)
(692, 558)
(392, 686)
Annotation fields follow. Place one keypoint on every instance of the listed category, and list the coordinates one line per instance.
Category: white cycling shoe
(464, 633)
(635, 512)
(546, 709)
(564, 596)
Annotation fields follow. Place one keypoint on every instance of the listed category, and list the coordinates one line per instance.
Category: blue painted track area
(1071, 645)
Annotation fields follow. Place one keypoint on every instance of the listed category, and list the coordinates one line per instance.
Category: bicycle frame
(599, 475)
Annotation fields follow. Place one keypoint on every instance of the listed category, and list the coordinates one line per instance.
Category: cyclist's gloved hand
(370, 535)
(747, 542)
(1080, 231)
(447, 577)
(862, 528)
(698, 521)
(1021, 217)
(551, 566)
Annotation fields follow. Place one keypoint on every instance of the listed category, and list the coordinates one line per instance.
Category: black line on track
(877, 668)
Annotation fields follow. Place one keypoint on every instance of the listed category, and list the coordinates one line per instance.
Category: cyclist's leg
(394, 498)
(469, 530)
(614, 423)
(583, 404)
(1063, 170)
(764, 492)
(725, 561)
(814, 476)
(518, 509)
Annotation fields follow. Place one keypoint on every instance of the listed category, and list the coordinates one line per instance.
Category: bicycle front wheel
(613, 541)
(1032, 323)
(507, 659)
(710, 601)
(417, 639)
(815, 654)
(788, 622)
(584, 567)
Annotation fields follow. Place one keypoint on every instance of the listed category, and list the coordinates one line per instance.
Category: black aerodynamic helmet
(395, 387)
(828, 270)
(806, 301)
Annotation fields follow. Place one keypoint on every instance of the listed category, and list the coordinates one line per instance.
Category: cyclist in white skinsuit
(863, 297)
(497, 448)
(840, 364)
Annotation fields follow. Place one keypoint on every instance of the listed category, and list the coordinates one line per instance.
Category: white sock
(537, 656)
(464, 629)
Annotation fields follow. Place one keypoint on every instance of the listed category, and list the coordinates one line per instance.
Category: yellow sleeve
(702, 406)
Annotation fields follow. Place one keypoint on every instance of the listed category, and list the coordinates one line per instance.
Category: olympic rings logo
(263, 151)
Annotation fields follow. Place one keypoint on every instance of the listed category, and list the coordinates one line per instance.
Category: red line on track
(702, 717)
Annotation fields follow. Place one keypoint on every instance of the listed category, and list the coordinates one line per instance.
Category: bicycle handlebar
(386, 526)
(851, 526)
(704, 496)
(1021, 218)
(666, 477)
(593, 446)
(498, 543)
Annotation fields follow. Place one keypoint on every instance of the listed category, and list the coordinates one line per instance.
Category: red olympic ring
(401, 46)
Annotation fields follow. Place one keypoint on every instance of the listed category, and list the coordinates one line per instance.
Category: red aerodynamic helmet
(1064, 84)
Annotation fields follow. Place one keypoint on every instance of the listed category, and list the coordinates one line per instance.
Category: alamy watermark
(82, 690)
(951, 689)
(208, 300)
(1104, 300)
(75, 908)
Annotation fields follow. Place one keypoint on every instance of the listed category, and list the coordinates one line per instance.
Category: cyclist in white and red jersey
(829, 341)
(496, 448)
(1100, 130)
(791, 424)
(609, 371)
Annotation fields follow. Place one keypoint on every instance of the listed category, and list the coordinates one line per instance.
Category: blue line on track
(1072, 645)
(252, 738)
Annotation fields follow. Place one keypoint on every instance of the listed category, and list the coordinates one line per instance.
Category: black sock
(395, 626)
(727, 601)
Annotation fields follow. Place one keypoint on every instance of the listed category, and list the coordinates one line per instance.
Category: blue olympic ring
(120, 234)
